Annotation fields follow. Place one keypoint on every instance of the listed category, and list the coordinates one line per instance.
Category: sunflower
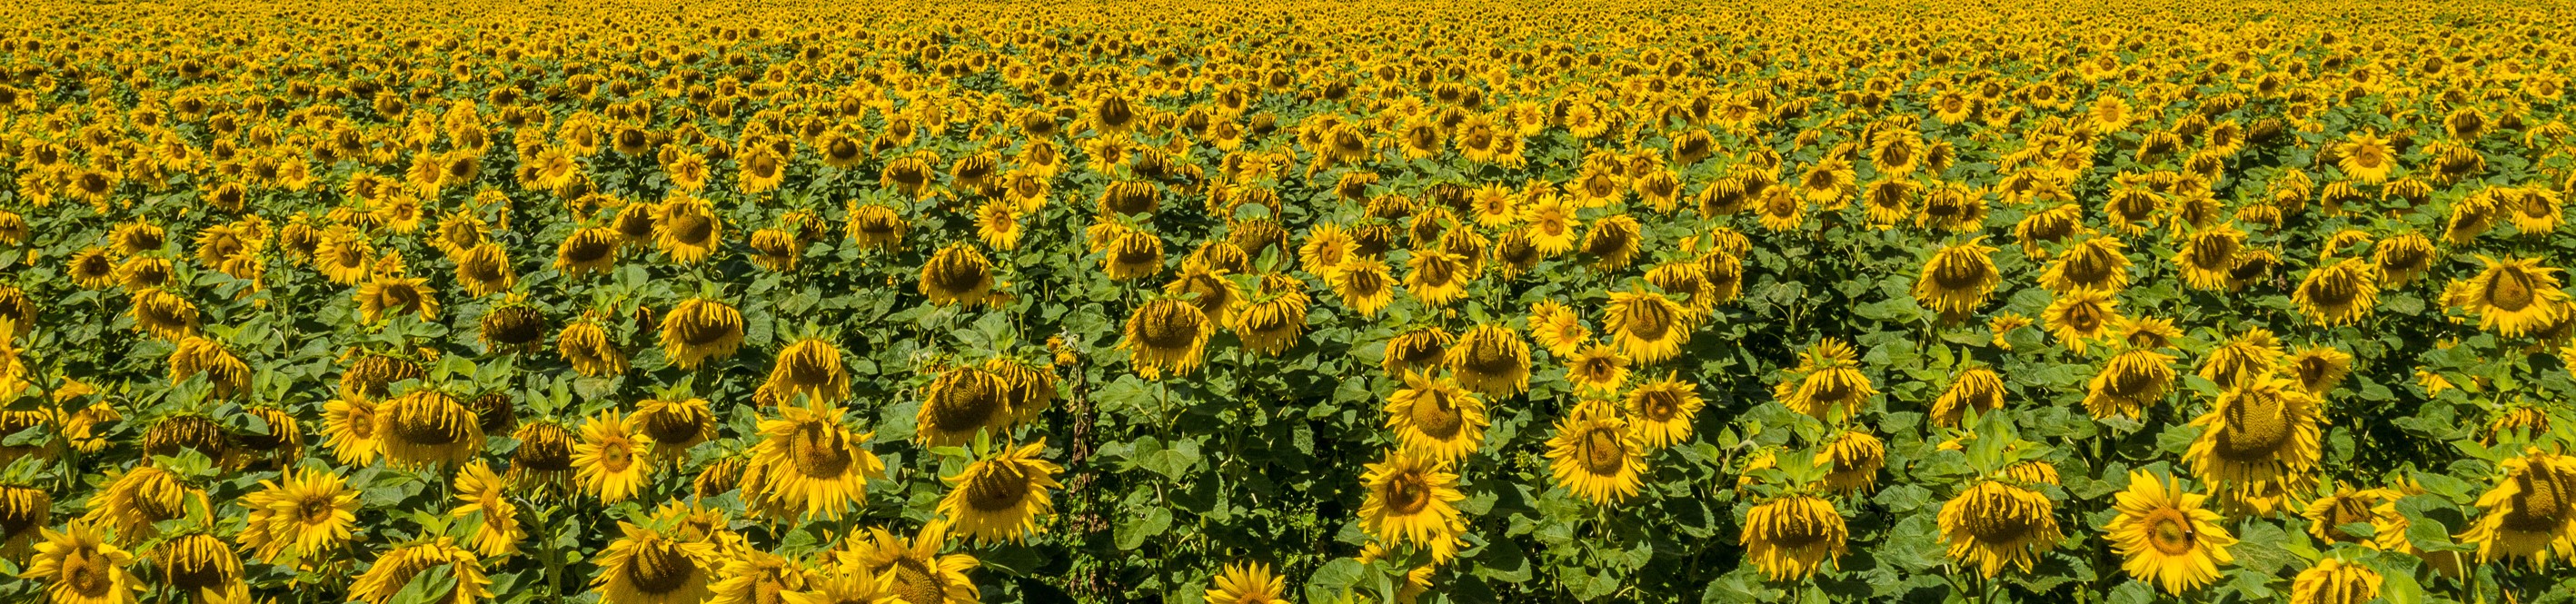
(1492, 360)
(196, 563)
(301, 514)
(133, 501)
(92, 268)
(2334, 581)
(876, 227)
(811, 463)
(2249, 357)
(80, 565)
(2376, 507)
(2129, 382)
(1852, 460)
(701, 329)
(1979, 389)
(1958, 279)
(2365, 157)
(1828, 378)
(1788, 537)
(1276, 318)
(427, 427)
(1003, 496)
(2402, 258)
(1595, 455)
(811, 367)
(1412, 500)
(586, 343)
(2340, 293)
(1550, 224)
(756, 577)
(544, 459)
(1132, 254)
(398, 566)
(23, 510)
(653, 566)
(164, 315)
(1597, 368)
(1363, 284)
(1661, 411)
(1167, 336)
(1246, 583)
(1994, 524)
(1434, 419)
(2081, 315)
(919, 574)
(1206, 287)
(2527, 514)
(957, 274)
(608, 460)
(687, 228)
(2260, 430)
(2097, 263)
(1557, 328)
(673, 425)
(2209, 256)
(2509, 297)
(587, 250)
(1646, 326)
(2319, 368)
(2165, 535)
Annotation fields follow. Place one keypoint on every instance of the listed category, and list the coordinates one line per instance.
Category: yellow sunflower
(2263, 430)
(1246, 583)
(1827, 379)
(1661, 411)
(1788, 537)
(957, 274)
(609, 459)
(79, 565)
(498, 532)
(428, 427)
(920, 575)
(395, 569)
(2334, 581)
(811, 463)
(1646, 326)
(2165, 536)
(1492, 360)
(2510, 297)
(1167, 336)
(651, 566)
(2527, 514)
(2339, 294)
(1363, 284)
(1435, 419)
(1412, 500)
(1958, 279)
(2128, 383)
(1557, 328)
(1994, 524)
(1003, 496)
(1977, 389)
(1595, 455)
(2096, 263)
(302, 514)
(698, 330)
(2081, 315)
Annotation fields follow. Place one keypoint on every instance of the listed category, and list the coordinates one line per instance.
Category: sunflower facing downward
(920, 575)
(2166, 536)
(1413, 500)
(1246, 583)
(1993, 525)
(2334, 581)
(1827, 379)
(1958, 279)
(1595, 455)
(651, 566)
(1002, 496)
(428, 427)
(1435, 419)
(1789, 537)
(699, 330)
(80, 566)
(1167, 336)
(1492, 360)
(1978, 389)
(2510, 297)
(2129, 382)
(811, 463)
(2258, 432)
(396, 568)
(2339, 294)
(2528, 514)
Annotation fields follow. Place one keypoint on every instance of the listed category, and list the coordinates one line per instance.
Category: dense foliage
(760, 302)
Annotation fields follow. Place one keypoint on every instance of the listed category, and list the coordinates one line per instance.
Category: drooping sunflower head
(587, 344)
(544, 459)
(811, 367)
(918, 573)
(961, 402)
(1491, 359)
(428, 427)
(1002, 497)
(1167, 336)
(2340, 293)
(1613, 242)
(699, 330)
(2096, 263)
(196, 561)
(163, 314)
(1648, 327)
(1363, 284)
(2334, 581)
(957, 274)
(2319, 369)
(1133, 254)
(1993, 525)
(877, 227)
(1978, 389)
(2528, 514)
(2403, 258)
(1958, 279)
(1852, 460)
(2251, 356)
(2129, 382)
(587, 250)
(1827, 379)
(387, 296)
(1788, 537)
(2209, 255)
(1423, 349)
(652, 566)
(673, 424)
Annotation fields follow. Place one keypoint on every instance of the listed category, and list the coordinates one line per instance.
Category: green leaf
(1133, 533)
(1334, 579)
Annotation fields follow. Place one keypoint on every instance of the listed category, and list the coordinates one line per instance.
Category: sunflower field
(737, 302)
